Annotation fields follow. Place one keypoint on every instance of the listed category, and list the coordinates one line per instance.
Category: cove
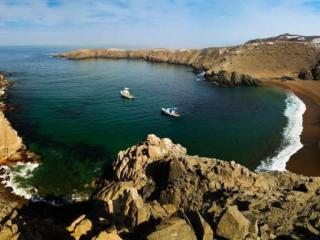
(72, 115)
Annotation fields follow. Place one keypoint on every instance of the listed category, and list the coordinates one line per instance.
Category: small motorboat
(126, 93)
(171, 112)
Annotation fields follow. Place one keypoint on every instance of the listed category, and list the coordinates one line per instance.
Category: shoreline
(306, 160)
(8, 200)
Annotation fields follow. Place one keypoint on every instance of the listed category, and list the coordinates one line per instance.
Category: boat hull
(166, 112)
(126, 95)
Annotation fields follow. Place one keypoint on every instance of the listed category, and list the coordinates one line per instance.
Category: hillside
(282, 57)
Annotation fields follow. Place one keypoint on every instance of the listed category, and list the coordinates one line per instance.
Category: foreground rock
(233, 225)
(173, 229)
(235, 202)
(157, 191)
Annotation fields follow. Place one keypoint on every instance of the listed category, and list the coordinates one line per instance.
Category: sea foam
(200, 76)
(290, 143)
(10, 178)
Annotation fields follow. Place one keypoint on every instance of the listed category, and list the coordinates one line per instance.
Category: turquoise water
(72, 115)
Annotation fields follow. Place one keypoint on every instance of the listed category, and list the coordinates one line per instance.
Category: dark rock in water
(305, 75)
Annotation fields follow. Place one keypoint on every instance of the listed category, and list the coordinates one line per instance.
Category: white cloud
(166, 23)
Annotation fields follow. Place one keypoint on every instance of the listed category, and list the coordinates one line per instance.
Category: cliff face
(157, 191)
(10, 142)
(247, 64)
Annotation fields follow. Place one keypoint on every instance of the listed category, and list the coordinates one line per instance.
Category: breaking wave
(11, 177)
(291, 143)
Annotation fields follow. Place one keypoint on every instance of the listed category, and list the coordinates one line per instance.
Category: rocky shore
(157, 191)
(11, 145)
(12, 150)
(281, 58)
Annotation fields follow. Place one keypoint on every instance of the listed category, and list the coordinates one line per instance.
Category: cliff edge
(11, 144)
(157, 191)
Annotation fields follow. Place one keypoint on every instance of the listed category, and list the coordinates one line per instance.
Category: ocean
(71, 114)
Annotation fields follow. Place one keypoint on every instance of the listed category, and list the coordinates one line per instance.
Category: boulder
(160, 212)
(173, 229)
(233, 225)
(202, 229)
(107, 236)
(131, 164)
(122, 199)
(134, 208)
(9, 231)
(80, 227)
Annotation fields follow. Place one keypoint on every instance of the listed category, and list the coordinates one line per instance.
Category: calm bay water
(71, 114)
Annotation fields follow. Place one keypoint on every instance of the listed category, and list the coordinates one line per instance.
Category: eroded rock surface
(160, 192)
(11, 146)
(224, 193)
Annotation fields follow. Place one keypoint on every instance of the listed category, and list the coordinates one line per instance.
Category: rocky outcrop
(231, 79)
(11, 146)
(155, 182)
(173, 229)
(233, 225)
(247, 64)
(80, 227)
(159, 192)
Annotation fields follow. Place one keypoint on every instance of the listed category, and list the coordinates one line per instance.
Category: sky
(153, 23)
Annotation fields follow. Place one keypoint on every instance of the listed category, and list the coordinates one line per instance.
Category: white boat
(171, 111)
(126, 93)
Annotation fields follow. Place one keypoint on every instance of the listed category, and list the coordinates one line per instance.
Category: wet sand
(307, 160)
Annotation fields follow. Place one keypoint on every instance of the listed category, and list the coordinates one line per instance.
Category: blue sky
(153, 23)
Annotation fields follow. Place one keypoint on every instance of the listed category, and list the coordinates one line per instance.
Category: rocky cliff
(157, 191)
(11, 146)
(282, 57)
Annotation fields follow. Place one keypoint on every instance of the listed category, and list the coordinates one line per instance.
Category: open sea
(72, 115)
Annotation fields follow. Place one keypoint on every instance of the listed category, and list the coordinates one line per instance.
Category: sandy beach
(307, 160)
